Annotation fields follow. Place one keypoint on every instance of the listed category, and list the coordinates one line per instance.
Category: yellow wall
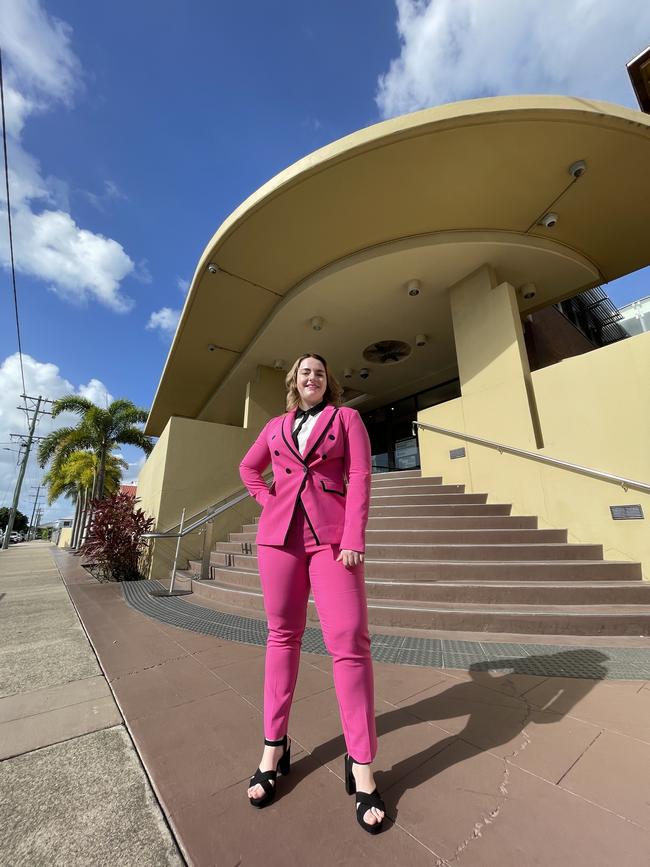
(265, 397)
(492, 362)
(594, 410)
(195, 465)
(150, 480)
(65, 537)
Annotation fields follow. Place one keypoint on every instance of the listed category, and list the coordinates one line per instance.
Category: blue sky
(136, 128)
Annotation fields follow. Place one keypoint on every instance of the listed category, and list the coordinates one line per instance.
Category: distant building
(131, 490)
(62, 532)
(636, 316)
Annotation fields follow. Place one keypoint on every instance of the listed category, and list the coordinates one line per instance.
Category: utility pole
(23, 466)
(31, 520)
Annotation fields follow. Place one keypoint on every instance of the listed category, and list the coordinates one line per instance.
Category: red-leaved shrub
(114, 542)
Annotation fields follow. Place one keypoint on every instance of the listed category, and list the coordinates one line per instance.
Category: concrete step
(421, 489)
(425, 510)
(460, 522)
(512, 618)
(461, 551)
(399, 474)
(445, 537)
(486, 592)
(445, 510)
(507, 593)
(474, 570)
(431, 499)
(381, 481)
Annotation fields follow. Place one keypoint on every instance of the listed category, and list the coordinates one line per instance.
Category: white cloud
(97, 392)
(460, 49)
(164, 320)
(45, 379)
(79, 265)
(40, 51)
(41, 71)
(182, 285)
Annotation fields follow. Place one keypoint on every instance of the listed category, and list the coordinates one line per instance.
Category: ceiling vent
(387, 352)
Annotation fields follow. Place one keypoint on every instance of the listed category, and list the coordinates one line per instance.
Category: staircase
(440, 559)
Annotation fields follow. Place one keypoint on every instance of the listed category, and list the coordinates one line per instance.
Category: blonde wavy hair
(333, 390)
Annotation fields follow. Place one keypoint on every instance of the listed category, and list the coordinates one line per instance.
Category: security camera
(549, 221)
(211, 347)
(527, 291)
(317, 323)
(421, 340)
(279, 364)
(212, 268)
(364, 373)
(577, 169)
(347, 373)
(413, 288)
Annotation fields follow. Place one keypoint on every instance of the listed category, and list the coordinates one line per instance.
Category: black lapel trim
(322, 434)
(332, 490)
(288, 444)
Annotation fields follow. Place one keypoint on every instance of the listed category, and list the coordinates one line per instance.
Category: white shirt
(305, 430)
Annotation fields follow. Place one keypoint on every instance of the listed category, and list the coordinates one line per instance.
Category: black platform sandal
(365, 800)
(268, 779)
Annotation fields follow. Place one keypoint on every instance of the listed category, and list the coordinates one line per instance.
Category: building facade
(421, 257)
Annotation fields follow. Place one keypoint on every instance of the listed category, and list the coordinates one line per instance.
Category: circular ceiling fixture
(387, 351)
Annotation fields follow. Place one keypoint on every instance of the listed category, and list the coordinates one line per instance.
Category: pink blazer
(332, 478)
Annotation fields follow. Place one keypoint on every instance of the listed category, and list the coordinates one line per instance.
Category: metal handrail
(544, 459)
(213, 512)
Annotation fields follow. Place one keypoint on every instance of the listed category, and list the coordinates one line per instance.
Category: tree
(21, 522)
(99, 430)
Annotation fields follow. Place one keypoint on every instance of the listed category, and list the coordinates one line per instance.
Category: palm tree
(76, 473)
(74, 477)
(100, 431)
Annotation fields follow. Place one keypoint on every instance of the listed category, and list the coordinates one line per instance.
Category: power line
(11, 236)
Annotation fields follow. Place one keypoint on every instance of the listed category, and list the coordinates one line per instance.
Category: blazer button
(276, 452)
(331, 437)
(288, 470)
(323, 456)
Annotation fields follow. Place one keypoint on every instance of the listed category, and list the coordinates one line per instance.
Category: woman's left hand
(350, 558)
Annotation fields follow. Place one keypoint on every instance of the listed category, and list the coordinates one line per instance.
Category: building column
(497, 391)
(265, 397)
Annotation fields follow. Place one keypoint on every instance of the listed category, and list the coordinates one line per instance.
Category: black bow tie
(314, 409)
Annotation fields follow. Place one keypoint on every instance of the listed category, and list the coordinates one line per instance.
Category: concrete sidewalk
(72, 789)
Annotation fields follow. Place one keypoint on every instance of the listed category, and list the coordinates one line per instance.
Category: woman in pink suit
(312, 534)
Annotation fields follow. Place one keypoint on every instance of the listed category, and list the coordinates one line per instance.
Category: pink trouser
(286, 574)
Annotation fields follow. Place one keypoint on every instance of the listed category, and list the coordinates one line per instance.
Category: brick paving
(477, 767)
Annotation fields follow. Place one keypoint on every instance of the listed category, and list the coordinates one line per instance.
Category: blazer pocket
(332, 490)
